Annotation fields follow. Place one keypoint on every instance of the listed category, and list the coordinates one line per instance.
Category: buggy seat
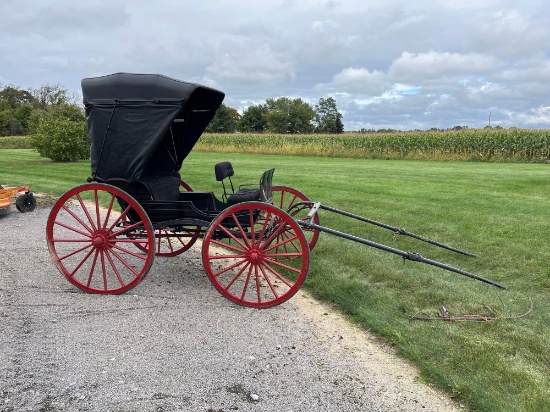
(163, 186)
(224, 170)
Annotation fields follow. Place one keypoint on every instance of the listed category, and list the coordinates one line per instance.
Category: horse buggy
(255, 240)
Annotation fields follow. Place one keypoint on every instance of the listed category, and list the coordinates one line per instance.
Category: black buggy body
(104, 235)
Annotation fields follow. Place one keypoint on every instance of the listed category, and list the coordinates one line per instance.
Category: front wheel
(255, 254)
(100, 238)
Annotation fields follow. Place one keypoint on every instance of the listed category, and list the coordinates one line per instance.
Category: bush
(61, 134)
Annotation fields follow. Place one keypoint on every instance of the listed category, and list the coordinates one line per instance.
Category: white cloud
(432, 65)
(396, 63)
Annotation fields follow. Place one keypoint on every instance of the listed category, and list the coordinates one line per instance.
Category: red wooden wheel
(247, 259)
(96, 234)
(185, 186)
(172, 243)
(285, 198)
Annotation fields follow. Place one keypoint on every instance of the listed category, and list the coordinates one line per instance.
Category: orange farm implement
(24, 199)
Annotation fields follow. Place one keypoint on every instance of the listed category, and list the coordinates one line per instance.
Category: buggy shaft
(405, 255)
(395, 230)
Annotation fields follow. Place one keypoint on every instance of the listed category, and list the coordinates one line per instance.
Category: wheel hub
(254, 256)
(99, 241)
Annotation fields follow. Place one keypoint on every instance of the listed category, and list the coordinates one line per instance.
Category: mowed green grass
(499, 211)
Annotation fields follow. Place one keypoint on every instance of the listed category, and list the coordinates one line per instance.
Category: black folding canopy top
(144, 124)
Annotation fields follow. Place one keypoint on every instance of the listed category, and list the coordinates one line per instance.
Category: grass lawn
(498, 211)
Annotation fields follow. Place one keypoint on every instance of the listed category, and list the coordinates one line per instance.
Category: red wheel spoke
(81, 262)
(88, 235)
(268, 280)
(282, 202)
(108, 215)
(129, 252)
(292, 201)
(123, 217)
(224, 257)
(228, 246)
(85, 210)
(92, 269)
(231, 236)
(238, 275)
(245, 287)
(252, 231)
(75, 252)
(257, 278)
(97, 214)
(282, 265)
(278, 275)
(274, 234)
(91, 231)
(234, 265)
(285, 255)
(264, 227)
(284, 243)
(241, 230)
(103, 270)
(114, 267)
(130, 268)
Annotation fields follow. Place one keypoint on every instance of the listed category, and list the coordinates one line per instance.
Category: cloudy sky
(388, 63)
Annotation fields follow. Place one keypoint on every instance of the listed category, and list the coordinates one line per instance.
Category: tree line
(283, 115)
(21, 110)
(57, 125)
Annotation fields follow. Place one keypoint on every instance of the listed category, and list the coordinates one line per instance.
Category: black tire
(25, 203)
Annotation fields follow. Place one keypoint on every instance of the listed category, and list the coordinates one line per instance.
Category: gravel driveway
(174, 343)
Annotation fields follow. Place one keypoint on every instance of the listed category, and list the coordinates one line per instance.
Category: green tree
(253, 119)
(286, 115)
(15, 108)
(22, 115)
(52, 95)
(61, 134)
(6, 113)
(225, 120)
(327, 117)
(16, 97)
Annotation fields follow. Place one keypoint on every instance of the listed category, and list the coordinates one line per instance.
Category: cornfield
(492, 145)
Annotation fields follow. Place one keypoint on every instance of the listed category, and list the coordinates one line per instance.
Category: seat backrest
(266, 192)
(224, 170)
(163, 187)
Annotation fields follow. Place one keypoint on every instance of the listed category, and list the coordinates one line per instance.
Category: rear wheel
(172, 242)
(287, 198)
(97, 234)
(255, 254)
